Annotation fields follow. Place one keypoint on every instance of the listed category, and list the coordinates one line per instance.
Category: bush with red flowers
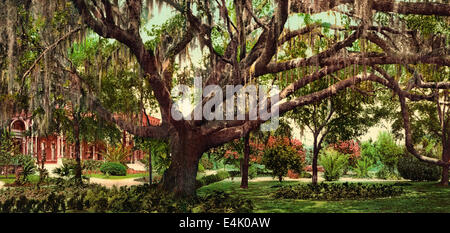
(283, 154)
(349, 148)
(235, 152)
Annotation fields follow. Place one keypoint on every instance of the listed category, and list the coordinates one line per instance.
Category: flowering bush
(235, 152)
(282, 155)
(349, 148)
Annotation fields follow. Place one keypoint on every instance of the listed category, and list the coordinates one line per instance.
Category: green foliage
(206, 180)
(206, 163)
(91, 165)
(142, 199)
(200, 169)
(117, 154)
(113, 168)
(333, 163)
(159, 150)
(413, 169)
(66, 172)
(221, 202)
(385, 173)
(28, 165)
(32, 201)
(252, 171)
(338, 191)
(172, 28)
(388, 151)
(7, 147)
(281, 156)
(369, 151)
(362, 167)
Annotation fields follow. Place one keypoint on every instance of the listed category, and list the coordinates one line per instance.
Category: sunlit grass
(418, 197)
(103, 176)
(11, 178)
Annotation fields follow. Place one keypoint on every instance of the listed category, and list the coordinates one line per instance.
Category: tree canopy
(243, 42)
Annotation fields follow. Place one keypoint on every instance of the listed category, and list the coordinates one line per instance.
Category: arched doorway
(18, 125)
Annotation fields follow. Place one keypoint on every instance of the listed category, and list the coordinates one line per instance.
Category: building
(55, 147)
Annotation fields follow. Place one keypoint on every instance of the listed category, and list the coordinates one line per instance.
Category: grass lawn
(418, 197)
(102, 176)
(11, 178)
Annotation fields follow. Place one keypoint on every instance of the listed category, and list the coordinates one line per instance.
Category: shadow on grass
(418, 197)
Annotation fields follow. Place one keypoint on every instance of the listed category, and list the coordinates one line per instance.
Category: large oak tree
(252, 33)
(242, 62)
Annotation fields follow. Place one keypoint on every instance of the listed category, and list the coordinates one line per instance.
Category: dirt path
(1, 184)
(118, 183)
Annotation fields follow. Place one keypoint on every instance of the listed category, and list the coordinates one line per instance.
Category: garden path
(117, 183)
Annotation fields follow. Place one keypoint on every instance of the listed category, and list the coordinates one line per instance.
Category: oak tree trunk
(186, 151)
(244, 165)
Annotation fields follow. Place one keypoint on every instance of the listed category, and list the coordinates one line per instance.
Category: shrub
(200, 168)
(206, 163)
(368, 150)
(337, 191)
(261, 170)
(305, 175)
(411, 168)
(252, 171)
(385, 173)
(28, 166)
(362, 167)
(115, 169)
(349, 148)
(221, 202)
(117, 154)
(92, 165)
(388, 151)
(143, 198)
(283, 154)
(234, 173)
(206, 180)
(333, 163)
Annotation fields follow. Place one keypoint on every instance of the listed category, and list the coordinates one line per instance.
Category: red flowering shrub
(284, 156)
(294, 143)
(235, 152)
(349, 148)
(293, 175)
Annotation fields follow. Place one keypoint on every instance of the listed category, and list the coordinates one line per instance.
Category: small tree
(282, 155)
